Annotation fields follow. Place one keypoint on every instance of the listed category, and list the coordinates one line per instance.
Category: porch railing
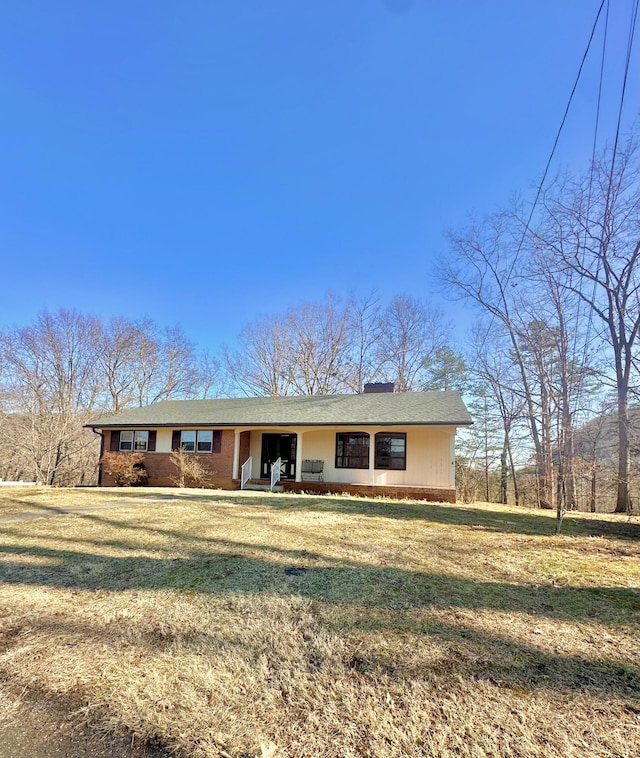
(276, 467)
(245, 473)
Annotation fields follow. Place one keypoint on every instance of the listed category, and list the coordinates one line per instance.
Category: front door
(281, 446)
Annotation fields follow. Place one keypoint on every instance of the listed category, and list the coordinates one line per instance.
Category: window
(352, 450)
(188, 442)
(126, 440)
(197, 441)
(204, 442)
(130, 440)
(391, 450)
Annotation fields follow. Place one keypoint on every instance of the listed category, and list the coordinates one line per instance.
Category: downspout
(101, 435)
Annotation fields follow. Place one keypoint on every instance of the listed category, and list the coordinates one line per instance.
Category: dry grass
(47, 501)
(259, 625)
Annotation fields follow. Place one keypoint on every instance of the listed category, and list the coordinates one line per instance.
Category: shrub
(127, 469)
(189, 470)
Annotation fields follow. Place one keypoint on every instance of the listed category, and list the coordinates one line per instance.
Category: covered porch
(406, 462)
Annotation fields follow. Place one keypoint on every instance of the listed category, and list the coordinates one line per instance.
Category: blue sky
(207, 161)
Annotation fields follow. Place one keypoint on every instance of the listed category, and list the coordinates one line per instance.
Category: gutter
(268, 424)
(101, 435)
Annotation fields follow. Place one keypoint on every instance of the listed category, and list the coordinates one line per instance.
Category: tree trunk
(623, 501)
(514, 477)
(545, 466)
(504, 472)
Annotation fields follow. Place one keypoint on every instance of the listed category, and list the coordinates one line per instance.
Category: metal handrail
(245, 473)
(276, 470)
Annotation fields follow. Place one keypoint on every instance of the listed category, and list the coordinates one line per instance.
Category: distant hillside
(598, 438)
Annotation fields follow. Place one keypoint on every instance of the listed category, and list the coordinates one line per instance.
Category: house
(376, 443)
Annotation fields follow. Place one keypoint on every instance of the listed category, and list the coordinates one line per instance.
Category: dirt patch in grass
(37, 727)
(229, 624)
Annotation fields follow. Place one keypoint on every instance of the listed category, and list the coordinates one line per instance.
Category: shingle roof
(401, 408)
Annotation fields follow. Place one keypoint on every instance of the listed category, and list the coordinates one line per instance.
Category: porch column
(299, 457)
(236, 454)
(452, 477)
(372, 458)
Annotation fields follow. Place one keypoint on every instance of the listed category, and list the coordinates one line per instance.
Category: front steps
(262, 486)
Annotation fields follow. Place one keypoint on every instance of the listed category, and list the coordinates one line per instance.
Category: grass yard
(248, 624)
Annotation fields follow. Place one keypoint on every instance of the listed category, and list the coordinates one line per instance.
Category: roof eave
(217, 424)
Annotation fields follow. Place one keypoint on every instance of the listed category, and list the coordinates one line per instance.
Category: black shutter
(216, 446)
(114, 444)
(151, 443)
(175, 440)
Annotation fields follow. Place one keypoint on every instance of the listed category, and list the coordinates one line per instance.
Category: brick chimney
(372, 387)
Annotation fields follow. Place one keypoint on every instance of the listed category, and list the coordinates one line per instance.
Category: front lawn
(237, 624)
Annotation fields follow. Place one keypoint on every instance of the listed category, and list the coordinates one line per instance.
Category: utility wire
(630, 40)
(553, 150)
(632, 28)
(587, 339)
(557, 139)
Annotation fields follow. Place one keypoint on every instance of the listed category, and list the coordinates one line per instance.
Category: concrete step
(258, 487)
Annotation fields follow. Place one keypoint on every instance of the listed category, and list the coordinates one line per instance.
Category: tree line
(550, 369)
(65, 368)
(556, 343)
(60, 371)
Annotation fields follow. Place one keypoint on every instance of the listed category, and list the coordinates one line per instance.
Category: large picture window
(391, 450)
(352, 450)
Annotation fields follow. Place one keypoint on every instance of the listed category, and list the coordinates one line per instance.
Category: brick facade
(161, 471)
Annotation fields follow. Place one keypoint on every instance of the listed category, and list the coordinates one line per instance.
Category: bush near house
(127, 469)
(189, 471)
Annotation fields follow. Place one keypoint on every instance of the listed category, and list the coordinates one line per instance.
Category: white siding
(163, 440)
(429, 456)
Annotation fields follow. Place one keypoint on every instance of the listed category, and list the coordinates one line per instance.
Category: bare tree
(304, 351)
(143, 363)
(592, 225)
(491, 367)
(321, 346)
(210, 376)
(117, 355)
(166, 365)
(60, 370)
(364, 323)
(50, 386)
(410, 333)
(337, 346)
(262, 364)
(482, 266)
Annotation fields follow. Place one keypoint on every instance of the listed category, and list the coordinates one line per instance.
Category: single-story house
(376, 443)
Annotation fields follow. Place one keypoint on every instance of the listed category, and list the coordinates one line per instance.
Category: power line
(587, 339)
(557, 139)
(632, 27)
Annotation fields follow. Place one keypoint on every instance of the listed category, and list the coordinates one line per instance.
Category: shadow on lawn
(527, 522)
(14, 504)
(220, 566)
(10, 505)
(379, 599)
